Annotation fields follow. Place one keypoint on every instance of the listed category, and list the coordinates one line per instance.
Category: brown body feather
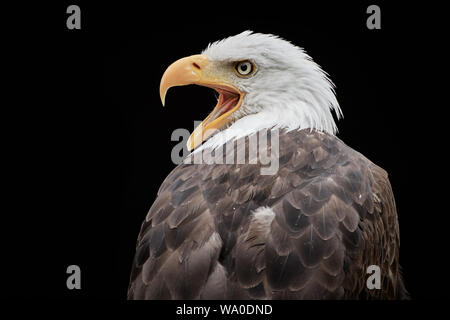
(334, 215)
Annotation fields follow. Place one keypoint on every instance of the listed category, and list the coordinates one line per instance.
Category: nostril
(196, 65)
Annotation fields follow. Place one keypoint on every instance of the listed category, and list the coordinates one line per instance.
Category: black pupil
(244, 67)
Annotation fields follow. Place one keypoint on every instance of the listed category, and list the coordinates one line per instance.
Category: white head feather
(288, 90)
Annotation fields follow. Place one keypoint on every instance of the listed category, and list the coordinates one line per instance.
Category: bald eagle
(310, 229)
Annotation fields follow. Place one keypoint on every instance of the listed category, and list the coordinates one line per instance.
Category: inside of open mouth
(227, 101)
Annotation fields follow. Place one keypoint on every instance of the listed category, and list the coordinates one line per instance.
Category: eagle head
(263, 81)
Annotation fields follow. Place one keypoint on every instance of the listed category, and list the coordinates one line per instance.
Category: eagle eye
(244, 69)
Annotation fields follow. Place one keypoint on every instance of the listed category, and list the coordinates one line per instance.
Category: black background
(88, 142)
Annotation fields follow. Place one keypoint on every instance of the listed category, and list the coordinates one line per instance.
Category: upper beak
(198, 70)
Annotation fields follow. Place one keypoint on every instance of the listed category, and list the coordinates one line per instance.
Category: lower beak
(198, 70)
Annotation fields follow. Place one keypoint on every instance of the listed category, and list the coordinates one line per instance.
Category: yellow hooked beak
(198, 70)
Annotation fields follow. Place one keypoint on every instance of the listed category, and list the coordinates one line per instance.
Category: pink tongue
(228, 104)
(223, 108)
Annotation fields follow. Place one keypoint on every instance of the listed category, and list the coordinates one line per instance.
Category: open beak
(197, 70)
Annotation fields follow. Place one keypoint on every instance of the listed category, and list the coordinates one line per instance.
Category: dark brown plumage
(334, 216)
